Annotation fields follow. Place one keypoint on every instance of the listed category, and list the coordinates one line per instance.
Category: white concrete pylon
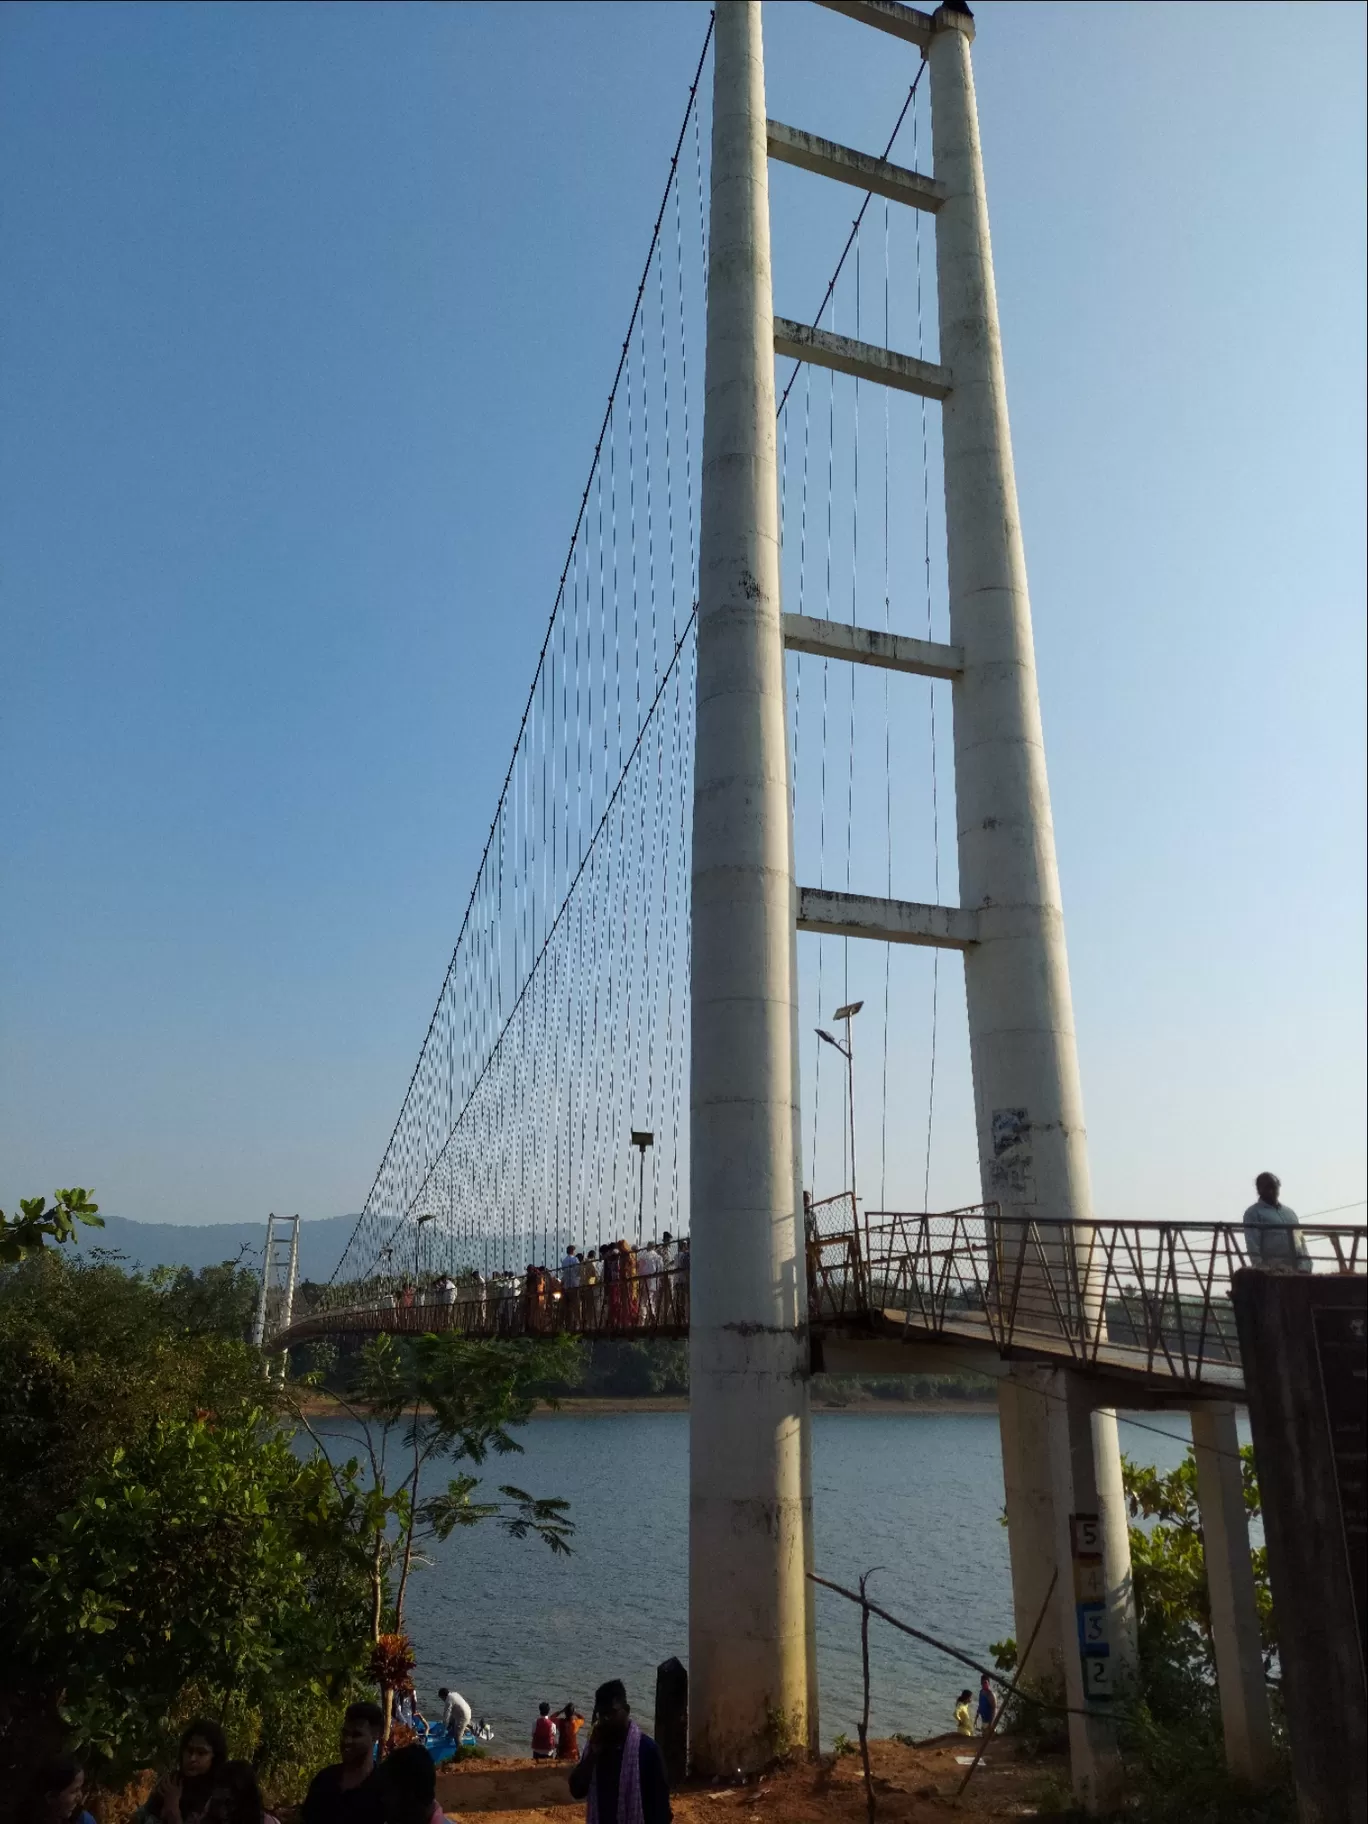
(752, 1690)
(1027, 1093)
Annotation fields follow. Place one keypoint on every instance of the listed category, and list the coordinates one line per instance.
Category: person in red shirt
(544, 1735)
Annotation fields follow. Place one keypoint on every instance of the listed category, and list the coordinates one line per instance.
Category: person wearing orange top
(568, 1726)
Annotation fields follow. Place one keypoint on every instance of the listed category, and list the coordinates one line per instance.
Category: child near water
(964, 1716)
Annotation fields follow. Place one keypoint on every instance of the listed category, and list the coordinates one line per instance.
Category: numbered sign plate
(1085, 1534)
(1097, 1679)
(1089, 1583)
(1092, 1629)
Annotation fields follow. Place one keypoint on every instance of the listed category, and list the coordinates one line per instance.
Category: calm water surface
(920, 1495)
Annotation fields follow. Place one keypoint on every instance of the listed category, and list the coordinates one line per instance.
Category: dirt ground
(911, 1786)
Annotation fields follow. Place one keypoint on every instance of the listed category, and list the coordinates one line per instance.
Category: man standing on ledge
(1272, 1231)
(621, 1773)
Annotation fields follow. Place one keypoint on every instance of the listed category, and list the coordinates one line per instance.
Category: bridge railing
(653, 1305)
(1155, 1295)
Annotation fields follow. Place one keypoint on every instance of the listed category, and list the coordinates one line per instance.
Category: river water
(509, 1625)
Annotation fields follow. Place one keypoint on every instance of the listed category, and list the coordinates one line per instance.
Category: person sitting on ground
(236, 1798)
(987, 1703)
(456, 1712)
(59, 1793)
(180, 1796)
(406, 1782)
(1272, 1231)
(346, 1793)
(543, 1734)
(964, 1716)
(568, 1726)
(621, 1774)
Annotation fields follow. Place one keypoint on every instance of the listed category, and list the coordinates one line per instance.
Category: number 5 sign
(1085, 1533)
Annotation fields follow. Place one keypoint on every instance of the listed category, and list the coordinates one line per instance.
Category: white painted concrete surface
(1024, 1425)
(751, 1660)
(1094, 1757)
(1028, 1098)
(1230, 1585)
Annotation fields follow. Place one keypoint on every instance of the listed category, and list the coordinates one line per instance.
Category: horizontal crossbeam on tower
(891, 921)
(890, 16)
(792, 146)
(869, 646)
(865, 360)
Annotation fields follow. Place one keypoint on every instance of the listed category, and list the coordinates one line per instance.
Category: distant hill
(180, 1244)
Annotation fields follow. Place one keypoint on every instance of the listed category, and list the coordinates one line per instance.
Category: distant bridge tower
(752, 1680)
(279, 1274)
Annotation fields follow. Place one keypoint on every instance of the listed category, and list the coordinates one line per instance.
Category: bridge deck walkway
(1145, 1306)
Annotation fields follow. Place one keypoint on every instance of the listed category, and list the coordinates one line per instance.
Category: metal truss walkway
(1146, 1304)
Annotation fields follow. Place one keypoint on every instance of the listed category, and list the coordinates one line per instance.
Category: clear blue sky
(306, 318)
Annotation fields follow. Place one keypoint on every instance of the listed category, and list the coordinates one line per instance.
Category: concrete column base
(1024, 1426)
(1094, 1757)
(1235, 1630)
(1121, 1614)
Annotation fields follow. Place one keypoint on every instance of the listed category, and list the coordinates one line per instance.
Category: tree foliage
(168, 1543)
(1168, 1563)
(40, 1222)
(442, 1398)
(136, 1445)
(202, 1556)
(1173, 1736)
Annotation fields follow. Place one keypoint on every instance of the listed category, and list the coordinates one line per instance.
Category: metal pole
(850, 1079)
(259, 1327)
(750, 1608)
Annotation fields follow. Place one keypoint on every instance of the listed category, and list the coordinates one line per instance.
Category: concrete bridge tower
(752, 1676)
(752, 1679)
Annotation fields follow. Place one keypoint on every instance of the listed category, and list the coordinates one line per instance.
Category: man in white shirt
(648, 1267)
(570, 1279)
(455, 1713)
(1272, 1231)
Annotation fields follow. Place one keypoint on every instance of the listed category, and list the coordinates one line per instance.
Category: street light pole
(847, 1051)
(418, 1249)
(641, 1139)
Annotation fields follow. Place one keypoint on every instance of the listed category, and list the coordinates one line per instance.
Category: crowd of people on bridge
(617, 1286)
(621, 1286)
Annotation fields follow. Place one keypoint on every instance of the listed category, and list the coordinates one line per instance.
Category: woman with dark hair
(59, 1792)
(180, 1797)
(236, 1798)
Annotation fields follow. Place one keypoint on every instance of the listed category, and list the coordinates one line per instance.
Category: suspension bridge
(788, 651)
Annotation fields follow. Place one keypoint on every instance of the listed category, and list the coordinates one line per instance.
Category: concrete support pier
(1027, 1094)
(1122, 1618)
(1024, 1424)
(752, 1685)
(1093, 1752)
(1230, 1584)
